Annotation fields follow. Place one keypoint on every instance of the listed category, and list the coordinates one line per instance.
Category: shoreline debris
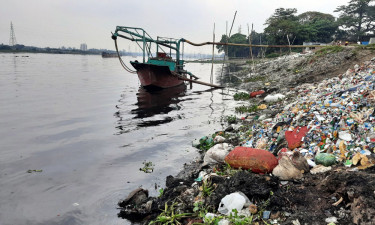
(324, 137)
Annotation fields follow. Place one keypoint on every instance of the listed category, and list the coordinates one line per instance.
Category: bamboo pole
(225, 41)
(213, 55)
(200, 82)
(195, 81)
(250, 41)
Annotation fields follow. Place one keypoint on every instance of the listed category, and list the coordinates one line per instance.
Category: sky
(69, 23)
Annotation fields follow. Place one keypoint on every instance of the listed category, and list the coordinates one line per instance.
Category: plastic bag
(236, 200)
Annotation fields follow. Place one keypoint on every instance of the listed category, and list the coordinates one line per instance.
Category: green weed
(246, 109)
(241, 96)
(161, 192)
(169, 215)
(231, 119)
(236, 219)
(226, 170)
(148, 167)
(207, 188)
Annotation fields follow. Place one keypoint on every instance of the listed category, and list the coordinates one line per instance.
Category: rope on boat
(119, 57)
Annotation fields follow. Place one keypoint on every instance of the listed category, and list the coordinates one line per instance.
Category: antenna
(12, 39)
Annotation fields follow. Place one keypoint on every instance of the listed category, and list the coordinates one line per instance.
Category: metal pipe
(248, 45)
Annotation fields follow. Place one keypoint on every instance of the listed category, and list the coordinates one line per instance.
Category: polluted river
(76, 131)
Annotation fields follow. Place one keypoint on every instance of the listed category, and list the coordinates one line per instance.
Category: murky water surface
(85, 127)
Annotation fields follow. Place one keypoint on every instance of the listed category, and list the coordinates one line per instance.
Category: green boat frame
(160, 70)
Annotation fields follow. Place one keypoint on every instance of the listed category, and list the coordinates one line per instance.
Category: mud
(310, 200)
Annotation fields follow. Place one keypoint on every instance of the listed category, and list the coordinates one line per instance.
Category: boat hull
(155, 76)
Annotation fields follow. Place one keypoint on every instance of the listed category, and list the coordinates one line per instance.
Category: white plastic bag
(236, 200)
(274, 98)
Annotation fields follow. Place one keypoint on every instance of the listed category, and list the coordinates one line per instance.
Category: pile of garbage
(305, 159)
(328, 123)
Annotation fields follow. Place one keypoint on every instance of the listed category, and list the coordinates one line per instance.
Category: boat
(156, 70)
(109, 55)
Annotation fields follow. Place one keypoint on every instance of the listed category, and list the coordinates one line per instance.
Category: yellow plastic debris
(262, 106)
(365, 162)
(279, 129)
(356, 158)
(342, 148)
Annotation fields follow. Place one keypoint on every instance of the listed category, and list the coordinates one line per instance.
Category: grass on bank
(328, 50)
(241, 96)
(246, 109)
(366, 47)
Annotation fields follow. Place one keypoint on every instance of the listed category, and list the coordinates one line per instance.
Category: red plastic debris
(294, 138)
(258, 160)
(256, 93)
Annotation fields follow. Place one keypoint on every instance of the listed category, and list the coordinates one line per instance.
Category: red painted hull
(155, 76)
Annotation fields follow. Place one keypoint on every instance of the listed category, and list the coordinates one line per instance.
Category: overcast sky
(57, 23)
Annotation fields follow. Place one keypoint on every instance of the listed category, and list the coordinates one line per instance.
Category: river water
(83, 127)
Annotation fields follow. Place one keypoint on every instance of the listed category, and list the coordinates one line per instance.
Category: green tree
(308, 26)
(316, 26)
(223, 48)
(234, 51)
(282, 24)
(257, 39)
(357, 18)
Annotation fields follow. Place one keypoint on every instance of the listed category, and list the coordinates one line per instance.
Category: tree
(240, 51)
(307, 27)
(234, 51)
(282, 24)
(222, 48)
(357, 18)
(316, 27)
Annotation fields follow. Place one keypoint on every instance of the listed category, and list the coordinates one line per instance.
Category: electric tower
(12, 39)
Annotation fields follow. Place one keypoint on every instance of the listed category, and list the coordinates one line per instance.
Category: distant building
(83, 47)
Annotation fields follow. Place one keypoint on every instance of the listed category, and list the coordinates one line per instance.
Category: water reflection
(152, 108)
(161, 101)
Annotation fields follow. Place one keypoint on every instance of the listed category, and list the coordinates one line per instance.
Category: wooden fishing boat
(158, 70)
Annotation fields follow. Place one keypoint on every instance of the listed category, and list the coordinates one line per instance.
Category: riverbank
(328, 94)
